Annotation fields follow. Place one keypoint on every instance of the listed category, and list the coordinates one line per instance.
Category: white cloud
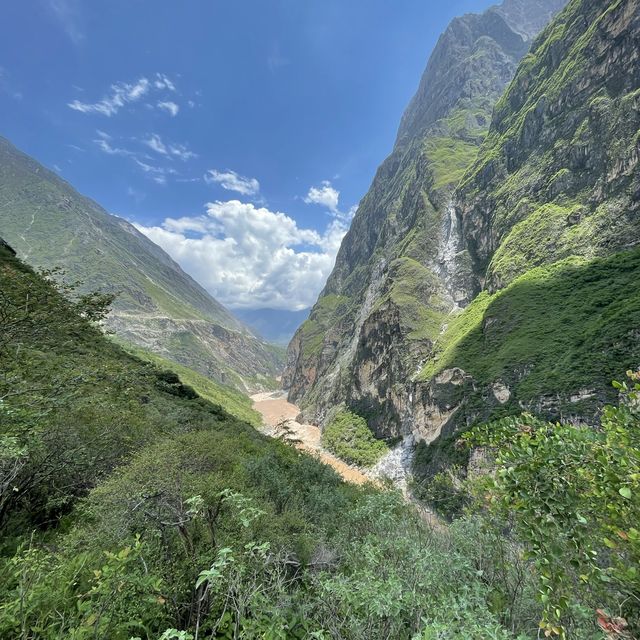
(251, 257)
(104, 144)
(170, 107)
(231, 181)
(121, 94)
(157, 174)
(155, 143)
(180, 151)
(163, 82)
(328, 197)
(143, 160)
(67, 13)
(324, 195)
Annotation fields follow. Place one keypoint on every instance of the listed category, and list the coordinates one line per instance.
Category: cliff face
(550, 222)
(158, 305)
(557, 175)
(402, 269)
(493, 266)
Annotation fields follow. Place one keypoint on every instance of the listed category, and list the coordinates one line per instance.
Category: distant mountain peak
(529, 17)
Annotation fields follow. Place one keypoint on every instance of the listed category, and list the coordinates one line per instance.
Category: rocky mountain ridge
(393, 286)
(490, 268)
(158, 306)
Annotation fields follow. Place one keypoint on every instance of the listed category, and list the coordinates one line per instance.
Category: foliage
(527, 335)
(349, 437)
(574, 495)
(443, 492)
(232, 401)
(132, 508)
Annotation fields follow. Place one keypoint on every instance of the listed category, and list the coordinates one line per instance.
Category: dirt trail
(274, 408)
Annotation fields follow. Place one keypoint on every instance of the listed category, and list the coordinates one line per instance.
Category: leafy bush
(444, 493)
(349, 437)
(573, 494)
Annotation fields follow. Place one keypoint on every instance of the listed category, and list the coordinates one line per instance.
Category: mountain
(158, 306)
(393, 286)
(122, 487)
(549, 237)
(493, 266)
(275, 325)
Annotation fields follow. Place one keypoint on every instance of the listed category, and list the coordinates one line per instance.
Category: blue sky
(239, 135)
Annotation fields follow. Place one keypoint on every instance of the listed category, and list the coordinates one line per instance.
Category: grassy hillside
(232, 401)
(158, 306)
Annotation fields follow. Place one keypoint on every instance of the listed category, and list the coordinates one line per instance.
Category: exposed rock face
(158, 305)
(486, 275)
(402, 270)
(558, 173)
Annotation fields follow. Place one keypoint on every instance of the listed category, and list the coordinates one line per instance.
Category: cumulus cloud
(231, 181)
(170, 107)
(329, 198)
(324, 195)
(248, 256)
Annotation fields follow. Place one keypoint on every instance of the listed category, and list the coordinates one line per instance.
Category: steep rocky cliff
(158, 305)
(394, 285)
(550, 221)
(493, 269)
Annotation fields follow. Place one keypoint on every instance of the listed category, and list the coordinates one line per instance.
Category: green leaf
(625, 492)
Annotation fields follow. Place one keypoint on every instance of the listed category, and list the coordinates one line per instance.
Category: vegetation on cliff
(552, 332)
(349, 437)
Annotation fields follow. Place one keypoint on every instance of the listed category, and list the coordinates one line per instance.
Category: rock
(501, 392)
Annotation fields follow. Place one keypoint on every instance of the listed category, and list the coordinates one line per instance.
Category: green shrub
(573, 493)
(444, 493)
(349, 437)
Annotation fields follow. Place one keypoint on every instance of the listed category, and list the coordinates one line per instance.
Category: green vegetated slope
(158, 307)
(233, 402)
(550, 218)
(391, 289)
(557, 174)
(130, 506)
(556, 334)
